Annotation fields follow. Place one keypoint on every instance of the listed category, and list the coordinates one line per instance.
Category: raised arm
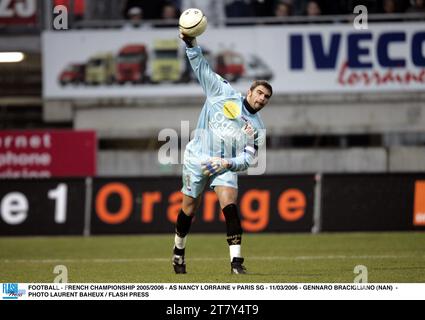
(211, 82)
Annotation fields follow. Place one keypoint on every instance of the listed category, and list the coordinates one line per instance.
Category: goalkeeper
(226, 141)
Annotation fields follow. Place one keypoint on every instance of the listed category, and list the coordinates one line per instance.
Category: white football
(192, 22)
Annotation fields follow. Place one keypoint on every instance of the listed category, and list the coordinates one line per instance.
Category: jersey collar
(248, 107)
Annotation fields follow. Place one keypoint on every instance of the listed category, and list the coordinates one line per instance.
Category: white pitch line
(270, 258)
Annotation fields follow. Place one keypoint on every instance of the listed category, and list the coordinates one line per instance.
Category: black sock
(178, 252)
(233, 224)
(182, 229)
(183, 224)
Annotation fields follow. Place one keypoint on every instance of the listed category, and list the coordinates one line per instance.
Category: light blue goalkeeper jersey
(219, 130)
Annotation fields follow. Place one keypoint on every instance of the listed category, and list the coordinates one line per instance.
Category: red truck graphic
(131, 64)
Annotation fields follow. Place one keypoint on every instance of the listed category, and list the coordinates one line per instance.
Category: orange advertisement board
(419, 204)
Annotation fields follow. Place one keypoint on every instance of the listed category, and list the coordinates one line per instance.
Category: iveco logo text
(364, 50)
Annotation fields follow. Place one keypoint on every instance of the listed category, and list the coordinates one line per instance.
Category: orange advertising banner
(419, 205)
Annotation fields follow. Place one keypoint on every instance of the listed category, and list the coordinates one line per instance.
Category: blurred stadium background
(93, 84)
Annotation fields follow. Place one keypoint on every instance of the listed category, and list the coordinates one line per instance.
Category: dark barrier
(360, 202)
(42, 207)
(151, 205)
(373, 202)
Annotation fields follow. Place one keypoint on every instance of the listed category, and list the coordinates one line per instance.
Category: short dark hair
(264, 83)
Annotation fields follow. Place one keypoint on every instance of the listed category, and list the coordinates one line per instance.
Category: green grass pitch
(390, 257)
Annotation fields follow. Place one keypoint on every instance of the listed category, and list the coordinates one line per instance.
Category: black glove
(190, 41)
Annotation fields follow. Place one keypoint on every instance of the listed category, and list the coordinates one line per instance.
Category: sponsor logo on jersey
(231, 110)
